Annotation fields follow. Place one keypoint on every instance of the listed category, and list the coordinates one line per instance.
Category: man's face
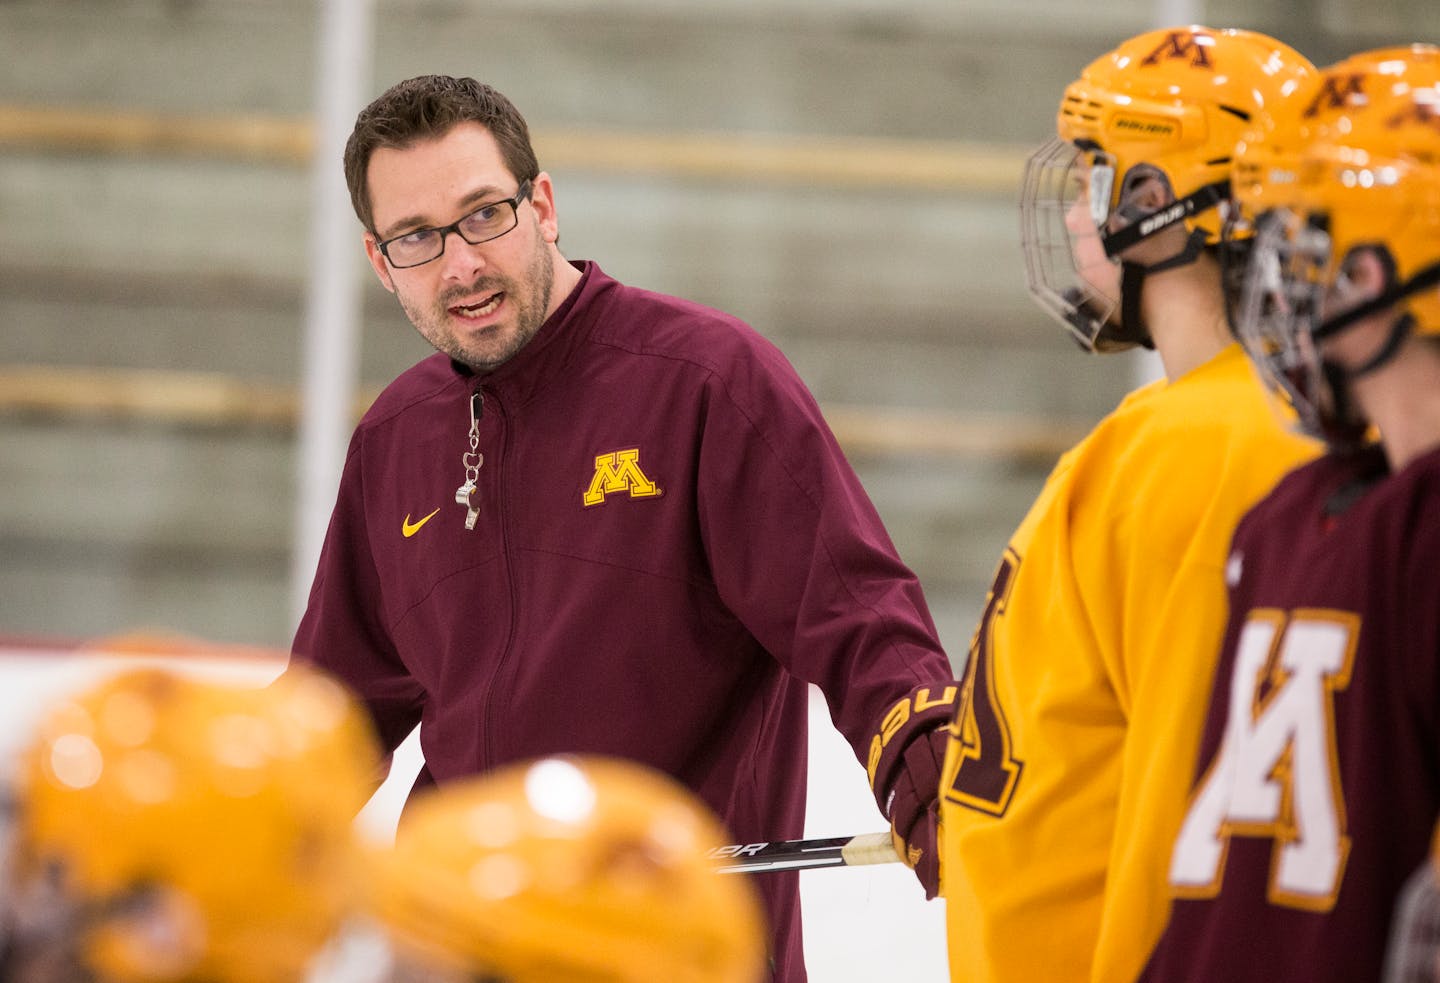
(478, 304)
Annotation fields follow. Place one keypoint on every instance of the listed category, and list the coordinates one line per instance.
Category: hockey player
(1318, 789)
(175, 830)
(1081, 710)
(570, 868)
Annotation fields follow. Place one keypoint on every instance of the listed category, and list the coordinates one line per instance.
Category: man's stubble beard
(528, 311)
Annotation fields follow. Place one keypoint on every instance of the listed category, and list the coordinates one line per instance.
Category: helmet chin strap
(1423, 279)
(1336, 376)
(1343, 426)
(1346, 427)
(1138, 228)
(1401, 329)
(1132, 278)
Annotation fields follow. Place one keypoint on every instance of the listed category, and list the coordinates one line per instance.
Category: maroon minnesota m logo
(1416, 114)
(1337, 92)
(1179, 44)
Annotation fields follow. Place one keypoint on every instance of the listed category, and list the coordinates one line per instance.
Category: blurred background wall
(842, 174)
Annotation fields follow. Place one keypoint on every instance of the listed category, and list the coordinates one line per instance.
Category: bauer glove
(906, 757)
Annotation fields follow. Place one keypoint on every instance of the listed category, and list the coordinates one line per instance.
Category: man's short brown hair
(426, 108)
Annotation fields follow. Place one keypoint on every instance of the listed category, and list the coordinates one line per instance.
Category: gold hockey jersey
(1088, 677)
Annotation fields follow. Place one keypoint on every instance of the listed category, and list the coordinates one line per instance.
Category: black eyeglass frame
(521, 194)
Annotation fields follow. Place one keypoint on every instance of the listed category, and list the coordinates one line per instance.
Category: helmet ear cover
(1141, 227)
(1393, 293)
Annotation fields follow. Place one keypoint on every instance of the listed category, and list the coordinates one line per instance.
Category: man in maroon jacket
(655, 542)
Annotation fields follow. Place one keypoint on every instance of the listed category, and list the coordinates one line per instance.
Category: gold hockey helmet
(573, 868)
(1359, 175)
(1156, 118)
(180, 829)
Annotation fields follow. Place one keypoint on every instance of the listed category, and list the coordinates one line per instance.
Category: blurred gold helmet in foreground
(575, 869)
(171, 828)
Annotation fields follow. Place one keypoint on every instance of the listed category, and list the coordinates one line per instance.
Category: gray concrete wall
(199, 265)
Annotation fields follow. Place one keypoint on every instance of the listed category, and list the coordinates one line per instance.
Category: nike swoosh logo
(411, 528)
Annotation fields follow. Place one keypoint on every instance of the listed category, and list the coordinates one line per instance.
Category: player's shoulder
(1215, 418)
(1175, 456)
(1407, 502)
(1420, 478)
(1321, 479)
(1221, 396)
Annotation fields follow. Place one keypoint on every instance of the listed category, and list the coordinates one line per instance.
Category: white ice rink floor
(862, 924)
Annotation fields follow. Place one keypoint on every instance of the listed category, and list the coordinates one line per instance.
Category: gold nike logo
(411, 528)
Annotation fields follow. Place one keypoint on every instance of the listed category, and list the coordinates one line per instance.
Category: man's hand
(906, 757)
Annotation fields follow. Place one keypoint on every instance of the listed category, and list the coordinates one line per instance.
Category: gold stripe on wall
(787, 159)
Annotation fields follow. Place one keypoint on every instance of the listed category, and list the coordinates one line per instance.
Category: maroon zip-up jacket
(669, 545)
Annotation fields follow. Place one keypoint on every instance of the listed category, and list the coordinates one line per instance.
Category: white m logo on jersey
(1276, 775)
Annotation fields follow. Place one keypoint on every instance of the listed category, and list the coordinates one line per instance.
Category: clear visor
(1065, 201)
(1280, 308)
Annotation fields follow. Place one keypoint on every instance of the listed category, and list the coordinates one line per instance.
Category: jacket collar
(543, 358)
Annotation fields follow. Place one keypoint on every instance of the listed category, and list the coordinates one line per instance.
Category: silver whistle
(462, 497)
(472, 460)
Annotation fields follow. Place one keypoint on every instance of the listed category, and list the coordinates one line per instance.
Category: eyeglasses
(490, 221)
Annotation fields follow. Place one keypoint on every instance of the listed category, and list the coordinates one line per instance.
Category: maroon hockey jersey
(667, 545)
(1319, 780)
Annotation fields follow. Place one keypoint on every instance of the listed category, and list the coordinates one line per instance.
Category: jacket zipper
(502, 525)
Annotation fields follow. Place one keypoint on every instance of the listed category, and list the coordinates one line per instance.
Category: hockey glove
(906, 757)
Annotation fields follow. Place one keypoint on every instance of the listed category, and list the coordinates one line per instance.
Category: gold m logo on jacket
(616, 472)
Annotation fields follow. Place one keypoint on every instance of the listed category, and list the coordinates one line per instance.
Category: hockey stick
(839, 851)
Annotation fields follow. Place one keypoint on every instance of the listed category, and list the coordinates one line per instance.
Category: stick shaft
(840, 851)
